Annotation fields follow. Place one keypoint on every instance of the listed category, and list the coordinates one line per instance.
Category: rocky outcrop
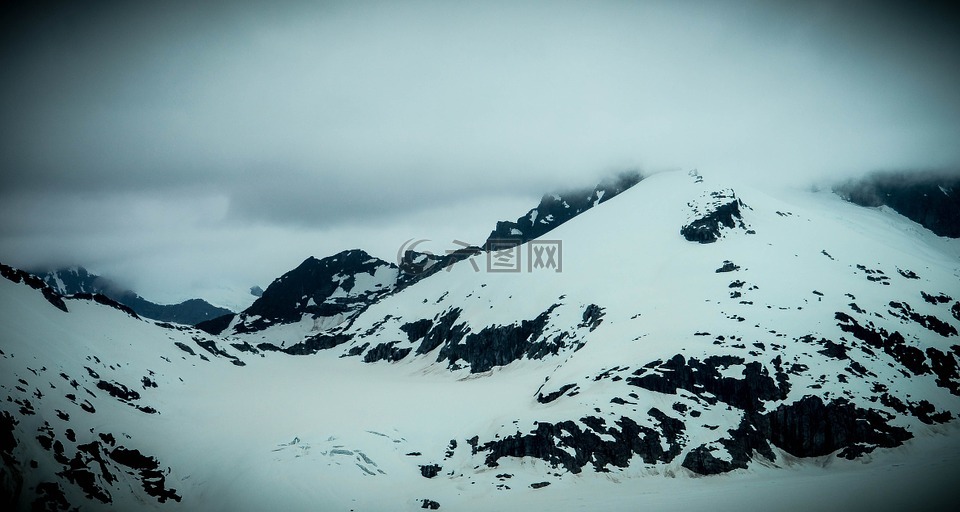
(444, 330)
(810, 428)
(703, 379)
(805, 428)
(499, 345)
(321, 288)
(19, 276)
(572, 445)
(714, 213)
(893, 344)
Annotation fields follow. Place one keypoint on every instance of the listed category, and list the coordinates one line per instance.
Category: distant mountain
(77, 280)
(328, 288)
(931, 199)
(322, 293)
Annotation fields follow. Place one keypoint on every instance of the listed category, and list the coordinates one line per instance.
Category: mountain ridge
(804, 336)
(78, 280)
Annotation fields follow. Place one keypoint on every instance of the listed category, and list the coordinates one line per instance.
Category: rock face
(712, 214)
(341, 284)
(931, 199)
(19, 276)
(806, 428)
(457, 344)
(573, 445)
(705, 380)
(78, 281)
(554, 210)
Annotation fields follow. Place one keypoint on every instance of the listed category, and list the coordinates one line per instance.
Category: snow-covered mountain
(78, 280)
(313, 297)
(686, 344)
(321, 294)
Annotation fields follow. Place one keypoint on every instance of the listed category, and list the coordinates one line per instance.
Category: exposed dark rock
(386, 352)
(430, 504)
(416, 266)
(940, 298)
(805, 428)
(554, 210)
(904, 311)
(19, 276)
(723, 213)
(11, 477)
(245, 347)
(539, 485)
(744, 442)
(500, 345)
(7, 440)
(417, 330)
(552, 442)
(356, 350)
(217, 325)
(909, 274)
(592, 316)
(311, 345)
(86, 468)
(810, 428)
(430, 470)
(151, 477)
(445, 330)
(549, 397)
(703, 379)
(944, 366)
(118, 391)
(450, 449)
(891, 343)
(50, 498)
(834, 350)
(308, 290)
(184, 347)
(211, 347)
(728, 266)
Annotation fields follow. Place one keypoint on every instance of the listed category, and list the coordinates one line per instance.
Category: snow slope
(617, 383)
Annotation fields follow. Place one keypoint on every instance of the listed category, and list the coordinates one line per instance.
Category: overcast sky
(198, 149)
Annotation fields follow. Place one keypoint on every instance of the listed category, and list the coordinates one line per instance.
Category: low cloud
(156, 127)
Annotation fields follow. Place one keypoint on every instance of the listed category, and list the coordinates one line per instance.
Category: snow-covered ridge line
(829, 334)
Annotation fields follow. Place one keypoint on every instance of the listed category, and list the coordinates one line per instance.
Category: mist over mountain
(930, 198)
(467, 304)
(77, 280)
(788, 350)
